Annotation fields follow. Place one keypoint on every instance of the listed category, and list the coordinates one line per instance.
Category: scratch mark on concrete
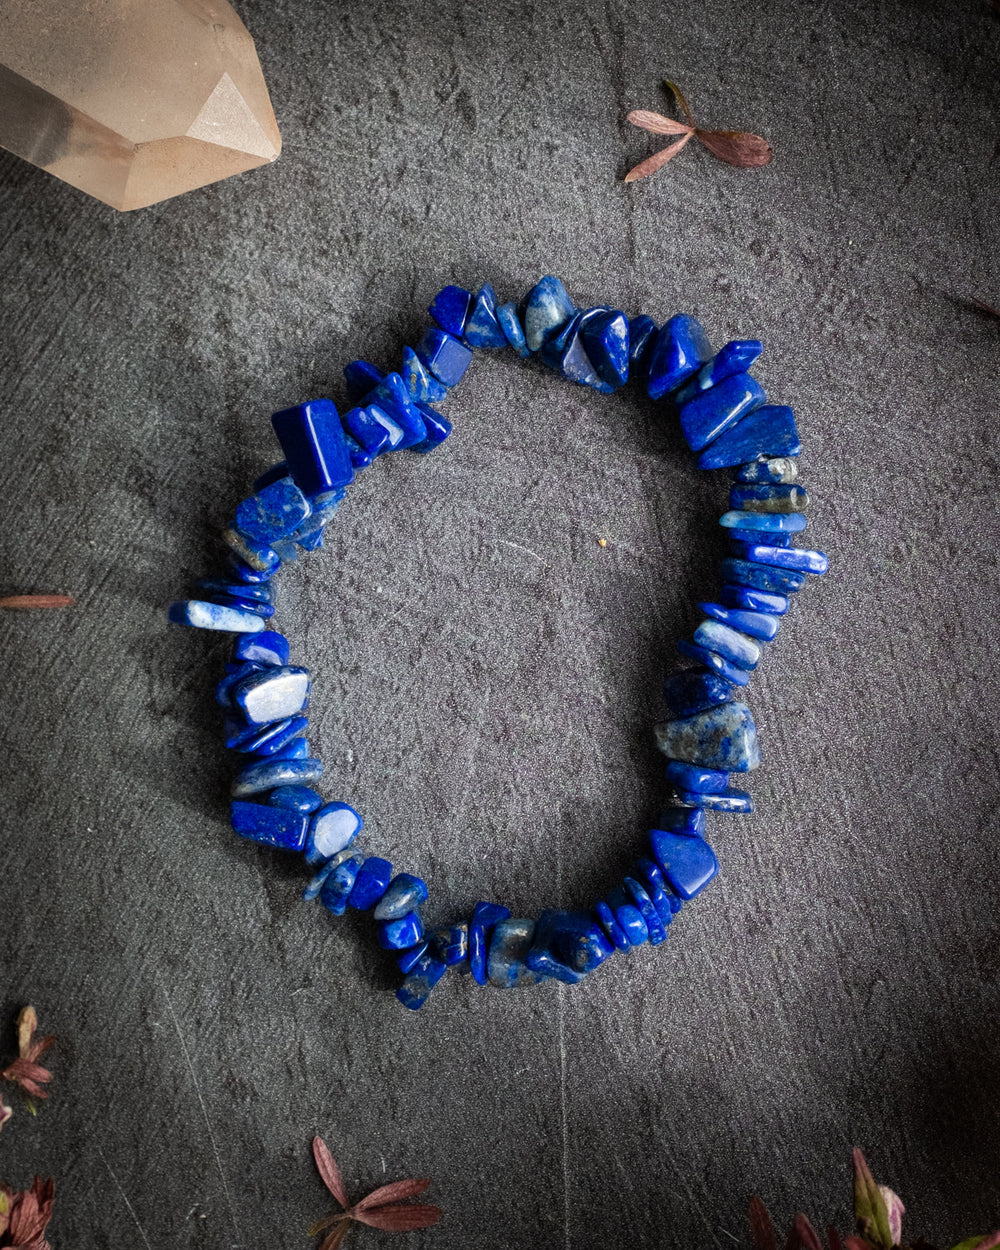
(131, 1208)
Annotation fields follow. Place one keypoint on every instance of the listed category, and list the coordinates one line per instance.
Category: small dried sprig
(989, 309)
(37, 601)
(735, 147)
(25, 1070)
(25, 1215)
(382, 1208)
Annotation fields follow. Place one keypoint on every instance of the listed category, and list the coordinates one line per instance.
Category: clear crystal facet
(133, 101)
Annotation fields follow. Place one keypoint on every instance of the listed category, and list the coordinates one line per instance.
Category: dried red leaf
(803, 1234)
(37, 601)
(30, 1077)
(333, 1242)
(657, 123)
(761, 1227)
(656, 161)
(28, 1215)
(833, 1237)
(401, 1218)
(391, 1193)
(736, 147)
(678, 95)
(329, 1171)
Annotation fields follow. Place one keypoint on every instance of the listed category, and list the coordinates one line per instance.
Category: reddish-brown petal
(737, 147)
(803, 1234)
(320, 1226)
(335, 1239)
(657, 123)
(28, 1075)
(391, 1193)
(37, 601)
(856, 1243)
(401, 1218)
(761, 1228)
(656, 161)
(833, 1237)
(329, 1171)
(38, 1048)
(678, 95)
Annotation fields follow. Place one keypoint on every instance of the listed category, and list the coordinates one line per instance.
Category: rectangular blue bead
(312, 439)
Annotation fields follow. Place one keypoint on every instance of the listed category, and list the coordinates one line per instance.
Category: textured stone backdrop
(485, 672)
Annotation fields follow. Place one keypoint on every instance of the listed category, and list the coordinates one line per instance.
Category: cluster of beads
(724, 417)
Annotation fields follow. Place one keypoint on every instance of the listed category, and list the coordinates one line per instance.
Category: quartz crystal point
(133, 101)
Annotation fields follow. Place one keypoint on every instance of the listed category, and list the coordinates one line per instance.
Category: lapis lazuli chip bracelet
(709, 733)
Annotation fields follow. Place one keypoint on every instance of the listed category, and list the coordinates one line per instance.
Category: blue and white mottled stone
(769, 431)
(689, 692)
(234, 675)
(513, 331)
(606, 342)
(262, 594)
(736, 357)
(269, 774)
(509, 945)
(711, 659)
(198, 614)
(399, 934)
(450, 944)
(392, 398)
(420, 382)
(765, 522)
(547, 308)
(263, 610)
(768, 497)
(680, 348)
(761, 576)
(405, 894)
(261, 559)
(312, 439)
(682, 820)
(296, 799)
(268, 648)
(274, 512)
(705, 417)
(445, 356)
(295, 749)
(695, 777)
(606, 919)
(339, 885)
(450, 307)
(374, 429)
(727, 801)
(484, 916)
(272, 693)
(655, 927)
(482, 329)
(360, 377)
(271, 826)
(689, 864)
(566, 946)
(409, 959)
(788, 558)
(416, 988)
(754, 600)
(723, 737)
(372, 882)
(775, 469)
(760, 625)
(733, 646)
(333, 828)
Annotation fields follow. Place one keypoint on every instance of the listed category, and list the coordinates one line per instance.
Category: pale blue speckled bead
(198, 614)
(547, 308)
(269, 774)
(405, 894)
(778, 522)
(509, 945)
(695, 777)
(482, 329)
(420, 382)
(760, 625)
(733, 646)
(273, 693)
(723, 737)
(711, 659)
(789, 558)
(332, 829)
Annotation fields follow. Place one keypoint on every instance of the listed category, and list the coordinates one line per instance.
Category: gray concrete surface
(485, 672)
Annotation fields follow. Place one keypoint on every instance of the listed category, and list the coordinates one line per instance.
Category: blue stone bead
(769, 497)
(641, 331)
(270, 739)
(333, 828)
(360, 458)
(765, 432)
(776, 522)
(606, 919)
(373, 879)
(339, 886)
(666, 902)
(197, 614)
(295, 799)
(740, 539)
(711, 659)
(691, 691)
(416, 988)
(723, 737)
(513, 331)
(274, 512)
(234, 675)
(735, 357)
(445, 356)
(374, 429)
(755, 600)
(694, 777)
(244, 573)
(268, 648)
(509, 946)
(316, 883)
(683, 820)
(567, 353)
(324, 508)
(451, 943)
(420, 382)
(728, 801)
(450, 308)
(235, 729)
(405, 894)
(482, 329)
(705, 417)
(484, 917)
(361, 377)
(733, 646)
(547, 308)
(630, 920)
(312, 439)
(640, 897)
(438, 428)
(567, 945)
(261, 559)
(606, 342)
(311, 539)
(263, 610)
(409, 959)
(760, 625)
(680, 348)
(789, 558)
(774, 470)
(689, 864)
(269, 774)
(399, 935)
(392, 397)
(274, 474)
(762, 576)
(272, 826)
(294, 749)
(272, 693)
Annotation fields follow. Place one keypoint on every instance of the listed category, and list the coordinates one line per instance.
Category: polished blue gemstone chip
(762, 576)
(735, 357)
(769, 497)
(419, 982)
(197, 614)
(271, 826)
(660, 895)
(547, 308)
(683, 820)
(371, 883)
(764, 523)
(450, 308)
(269, 648)
(445, 356)
(360, 377)
(484, 917)
(709, 413)
(399, 935)
(405, 894)
(655, 927)
(630, 920)
(339, 885)
(272, 693)
(695, 777)
(566, 946)
(420, 382)
(641, 334)
(778, 469)
(768, 431)
(689, 864)
(693, 691)
(360, 458)
(312, 439)
(482, 329)
(711, 659)
(606, 919)
(438, 428)
(392, 398)
(294, 749)
(740, 540)
(732, 645)
(333, 828)
(680, 348)
(760, 625)
(724, 738)
(296, 799)
(268, 774)
(754, 600)
(409, 959)
(374, 429)
(606, 342)
(271, 738)
(509, 945)
(273, 513)
(451, 943)
(791, 558)
(513, 331)
(727, 801)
